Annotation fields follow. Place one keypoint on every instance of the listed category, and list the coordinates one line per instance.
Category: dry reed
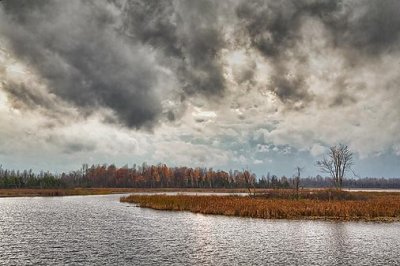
(369, 207)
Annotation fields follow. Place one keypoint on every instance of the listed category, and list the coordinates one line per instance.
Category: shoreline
(377, 207)
(59, 192)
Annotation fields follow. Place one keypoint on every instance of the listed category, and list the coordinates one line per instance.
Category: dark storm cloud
(187, 33)
(290, 89)
(373, 27)
(74, 47)
(361, 29)
(152, 22)
(92, 57)
(273, 26)
(108, 54)
(274, 29)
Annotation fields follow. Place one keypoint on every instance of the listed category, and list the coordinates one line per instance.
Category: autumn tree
(337, 163)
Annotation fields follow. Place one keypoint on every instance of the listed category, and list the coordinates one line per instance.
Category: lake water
(101, 230)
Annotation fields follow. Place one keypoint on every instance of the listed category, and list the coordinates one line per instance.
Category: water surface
(101, 230)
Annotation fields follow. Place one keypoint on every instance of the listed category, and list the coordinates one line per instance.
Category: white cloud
(317, 150)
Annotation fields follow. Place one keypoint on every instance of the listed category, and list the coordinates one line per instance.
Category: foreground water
(101, 230)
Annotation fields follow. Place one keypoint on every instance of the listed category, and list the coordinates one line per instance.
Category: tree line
(162, 176)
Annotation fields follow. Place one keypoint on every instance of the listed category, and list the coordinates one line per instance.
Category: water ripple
(94, 230)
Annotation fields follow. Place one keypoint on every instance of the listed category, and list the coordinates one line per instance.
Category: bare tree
(296, 180)
(249, 182)
(337, 163)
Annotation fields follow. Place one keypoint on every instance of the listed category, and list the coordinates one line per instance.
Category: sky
(234, 84)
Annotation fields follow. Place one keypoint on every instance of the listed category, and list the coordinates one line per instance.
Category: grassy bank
(366, 206)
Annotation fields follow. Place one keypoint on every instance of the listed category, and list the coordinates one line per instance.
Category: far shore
(54, 192)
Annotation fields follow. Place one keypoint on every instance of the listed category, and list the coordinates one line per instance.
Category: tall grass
(372, 206)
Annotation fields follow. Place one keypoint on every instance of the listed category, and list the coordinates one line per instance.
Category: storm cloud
(186, 33)
(74, 47)
(110, 53)
(104, 54)
(360, 30)
(224, 77)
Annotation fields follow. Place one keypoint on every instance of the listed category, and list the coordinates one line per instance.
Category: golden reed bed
(365, 206)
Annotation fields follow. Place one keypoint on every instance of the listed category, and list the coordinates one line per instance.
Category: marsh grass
(366, 206)
(311, 194)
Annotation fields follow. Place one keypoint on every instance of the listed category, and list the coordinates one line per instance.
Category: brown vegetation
(367, 206)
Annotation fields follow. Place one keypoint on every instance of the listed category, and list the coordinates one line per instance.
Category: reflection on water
(100, 230)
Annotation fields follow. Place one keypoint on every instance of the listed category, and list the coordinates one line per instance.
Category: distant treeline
(162, 176)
